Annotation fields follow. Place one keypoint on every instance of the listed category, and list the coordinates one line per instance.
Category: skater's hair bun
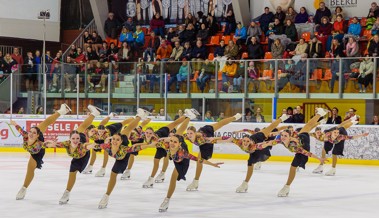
(101, 127)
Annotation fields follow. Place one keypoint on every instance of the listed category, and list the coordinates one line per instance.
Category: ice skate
(160, 178)
(243, 187)
(142, 113)
(258, 166)
(95, 111)
(100, 173)
(88, 170)
(319, 169)
(188, 113)
(193, 186)
(237, 116)
(164, 205)
(65, 109)
(104, 201)
(284, 191)
(284, 117)
(331, 172)
(21, 194)
(125, 175)
(149, 183)
(322, 112)
(64, 199)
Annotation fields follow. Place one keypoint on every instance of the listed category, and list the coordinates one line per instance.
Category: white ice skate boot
(125, 175)
(95, 111)
(142, 113)
(284, 191)
(193, 110)
(65, 109)
(88, 170)
(164, 205)
(258, 166)
(322, 112)
(243, 187)
(284, 117)
(188, 113)
(160, 178)
(111, 115)
(149, 183)
(193, 186)
(319, 169)
(100, 173)
(21, 194)
(104, 201)
(64, 199)
(237, 116)
(331, 172)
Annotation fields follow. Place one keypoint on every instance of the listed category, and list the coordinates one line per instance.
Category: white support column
(242, 11)
(100, 13)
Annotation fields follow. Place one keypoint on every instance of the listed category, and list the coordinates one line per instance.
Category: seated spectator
(201, 19)
(164, 50)
(278, 27)
(373, 48)
(157, 25)
(298, 117)
(258, 117)
(97, 42)
(113, 52)
(187, 51)
(334, 118)
(220, 50)
(265, 19)
(199, 54)
(139, 40)
(255, 49)
(180, 35)
(338, 32)
(337, 11)
(375, 27)
(253, 31)
(277, 49)
(253, 76)
(336, 49)
(323, 11)
(104, 52)
(207, 71)
(228, 73)
(298, 79)
(248, 115)
(240, 34)
(324, 31)
(366, 70)
(73, 53)
(202, 34)
(190, 19)
(280, 14)
(87, 40)
(182, 75)
(302, 17)
(300, 49)
(212, 25)
(221, 116)
(81, 58)
(352, 48)
(291, 14)
(172, 69)
(172, 36)
(189, 34)
(314, 48)
(21, 110)
(290, 30)
(178, 114)
(130, 24)
(91, 55)
(177, 52)
(70, 71)
(285, 76)
(111, 26)
(230, 23)
(124, 55)
(152, 47)
(208, 117)
(153, 75)
(351, 113)
(240, 74)
(337, 73)
(354, 29)
(375, 120)
(231, 50)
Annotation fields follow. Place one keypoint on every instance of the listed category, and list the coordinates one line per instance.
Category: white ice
(353, 192)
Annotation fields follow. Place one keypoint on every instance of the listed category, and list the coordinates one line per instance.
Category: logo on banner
(57, 130)
(343, 3)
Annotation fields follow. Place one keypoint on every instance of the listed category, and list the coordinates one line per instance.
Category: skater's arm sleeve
(21, 131)
(63, 144)
(303, 151)
(190, 156)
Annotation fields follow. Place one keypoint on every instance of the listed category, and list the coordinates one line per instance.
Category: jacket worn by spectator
(322, 13)
(231, 51)
(111, 28)
(199, 52)
(255, 51)
(176, 53)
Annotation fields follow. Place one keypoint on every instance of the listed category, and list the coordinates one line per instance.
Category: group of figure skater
(125, 139)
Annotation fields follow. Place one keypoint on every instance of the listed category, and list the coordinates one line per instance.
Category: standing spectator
(208, 117)
(30, 74)
(280, 14)
(254, 31)
(366, 70)
(290, 30)
(351, 113)
(157, 25)
(240, 34)
(221, 116)
(152, 47)
(111, 26)
(374, 9)
(291, 14)
(177, 51)
(7, 64)
(298, 117)
(302, 17)
(334, 118)
(17, 56)
(199, 54)
(230, 25)
(139, 37)
(258, 117)
(375, 120)
(323, 11)
(178, 114)
(373, 48)
(255, 49)
(37, 61)
(129, 24)
(265, 19)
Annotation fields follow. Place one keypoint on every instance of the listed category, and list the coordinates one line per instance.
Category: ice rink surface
(353, 192)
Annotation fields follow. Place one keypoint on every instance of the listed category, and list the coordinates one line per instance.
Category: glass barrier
(265, 82)
(257, 110)
(150, 77)
(176, 107)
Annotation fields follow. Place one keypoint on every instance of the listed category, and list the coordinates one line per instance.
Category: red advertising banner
(59, 130)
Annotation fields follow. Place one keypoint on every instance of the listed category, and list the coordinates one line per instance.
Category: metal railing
(9, 49)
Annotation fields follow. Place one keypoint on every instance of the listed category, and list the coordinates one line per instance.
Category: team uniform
(36, 150)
